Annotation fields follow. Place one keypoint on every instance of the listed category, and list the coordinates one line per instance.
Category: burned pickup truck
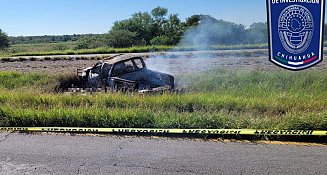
(124, 73)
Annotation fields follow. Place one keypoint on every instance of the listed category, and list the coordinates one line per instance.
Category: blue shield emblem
(296, 32)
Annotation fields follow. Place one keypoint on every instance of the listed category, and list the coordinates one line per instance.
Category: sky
(58, 17)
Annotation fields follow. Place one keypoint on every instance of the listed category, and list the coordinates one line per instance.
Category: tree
(159, 13)
(257, 33)
(159, 19)
(193, 20)
(90, 42)
(4, 40)
(156, 27)
(140, 23)
(122, 38)
(173, 29)
(205, 31)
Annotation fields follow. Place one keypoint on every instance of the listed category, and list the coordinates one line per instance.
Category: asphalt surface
(82, 154)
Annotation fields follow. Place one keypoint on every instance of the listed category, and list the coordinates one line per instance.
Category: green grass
(14, 80)
(215, 99)
(68, 49)
(21, 48)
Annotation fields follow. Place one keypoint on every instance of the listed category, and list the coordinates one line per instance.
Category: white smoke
(199, 38)
(175, 62)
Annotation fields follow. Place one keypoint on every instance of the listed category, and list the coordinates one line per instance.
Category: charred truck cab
(124, 73)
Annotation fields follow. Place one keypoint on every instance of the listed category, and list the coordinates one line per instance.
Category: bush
(161, 40)
(90, 42)
(60, 47)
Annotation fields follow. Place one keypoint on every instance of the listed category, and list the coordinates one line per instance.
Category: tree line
(158, 27)
(44, 39)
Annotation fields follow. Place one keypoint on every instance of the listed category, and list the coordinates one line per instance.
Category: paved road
(80, 154)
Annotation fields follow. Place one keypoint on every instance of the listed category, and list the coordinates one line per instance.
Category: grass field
(67, 48)
(215, 99)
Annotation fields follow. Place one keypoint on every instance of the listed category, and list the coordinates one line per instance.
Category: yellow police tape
(171, 131)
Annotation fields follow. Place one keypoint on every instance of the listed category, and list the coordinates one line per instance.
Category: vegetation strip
(30, 50)
(171, 131)
(227, 99)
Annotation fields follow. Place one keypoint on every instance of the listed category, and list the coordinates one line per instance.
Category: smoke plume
(200, 38)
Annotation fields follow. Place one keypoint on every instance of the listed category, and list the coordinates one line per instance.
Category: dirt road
(174, 63)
